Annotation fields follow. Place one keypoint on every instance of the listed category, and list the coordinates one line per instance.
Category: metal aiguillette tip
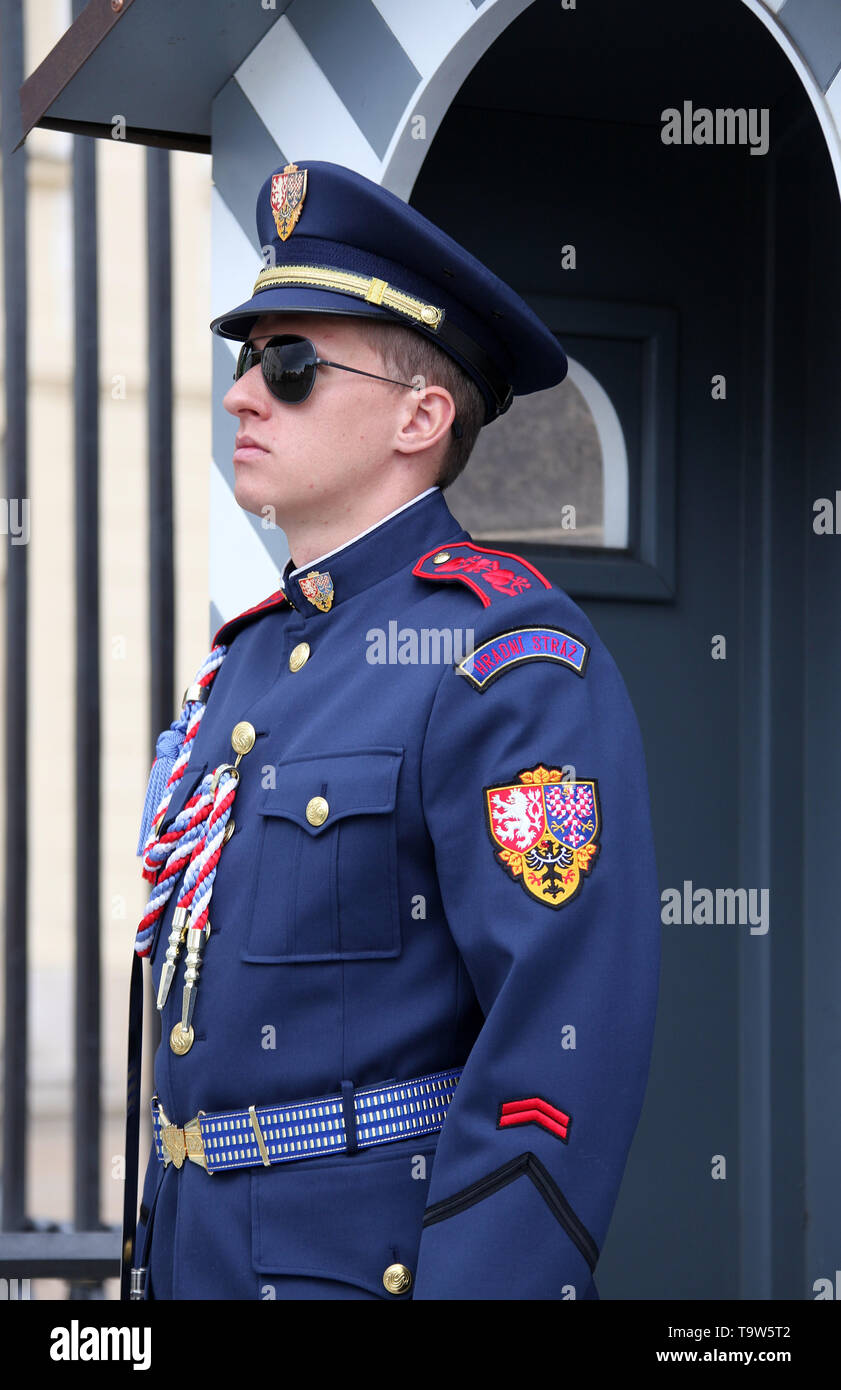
(180, 924)
(167, 976)
(196, 937)
(188, 1004)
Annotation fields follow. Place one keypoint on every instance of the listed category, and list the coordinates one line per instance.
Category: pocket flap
(346, 1219)
(354, 783)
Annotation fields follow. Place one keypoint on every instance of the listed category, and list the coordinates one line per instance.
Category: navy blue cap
(342, 244)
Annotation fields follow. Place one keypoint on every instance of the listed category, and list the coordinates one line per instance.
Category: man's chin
(250, 498)
(272, 508)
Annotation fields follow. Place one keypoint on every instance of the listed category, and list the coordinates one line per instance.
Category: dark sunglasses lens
(289, 369)
(245, 361)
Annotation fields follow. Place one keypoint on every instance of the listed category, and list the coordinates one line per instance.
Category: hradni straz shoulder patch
(517, 645)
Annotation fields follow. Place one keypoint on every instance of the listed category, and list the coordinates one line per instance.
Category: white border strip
(234, 260)
(614, 454)
(427, 33)
(825, 113)
(240, 570)
(299, 106)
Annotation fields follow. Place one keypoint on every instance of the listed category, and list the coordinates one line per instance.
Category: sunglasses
(289, 364)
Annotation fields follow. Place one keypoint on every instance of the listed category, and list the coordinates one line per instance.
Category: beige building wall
(126, 751)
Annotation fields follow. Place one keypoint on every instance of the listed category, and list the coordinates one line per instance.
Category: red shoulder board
(489, 573)
(235, 625)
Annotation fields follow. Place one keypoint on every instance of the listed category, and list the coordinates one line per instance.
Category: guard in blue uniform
(404, 917)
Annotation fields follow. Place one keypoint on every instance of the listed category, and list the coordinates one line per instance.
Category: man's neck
(309, 542)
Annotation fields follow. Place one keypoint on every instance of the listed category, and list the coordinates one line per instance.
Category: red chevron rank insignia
(535, 1111)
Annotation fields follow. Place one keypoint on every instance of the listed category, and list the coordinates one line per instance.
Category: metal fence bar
(161, 519)
(86, 444)
(92, 1255)
(88, 1252)
(161, 507)
(17, 701)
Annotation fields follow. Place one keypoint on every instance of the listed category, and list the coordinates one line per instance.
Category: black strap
(501, 389)
(132, 1150)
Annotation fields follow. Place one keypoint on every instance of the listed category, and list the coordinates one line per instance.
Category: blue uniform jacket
(482, 893)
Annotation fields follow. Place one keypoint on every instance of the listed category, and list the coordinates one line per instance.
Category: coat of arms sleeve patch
(545, 831)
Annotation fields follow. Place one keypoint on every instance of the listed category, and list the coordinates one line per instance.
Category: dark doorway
(555, 141)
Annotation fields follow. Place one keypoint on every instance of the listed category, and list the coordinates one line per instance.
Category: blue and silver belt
(266, 1134)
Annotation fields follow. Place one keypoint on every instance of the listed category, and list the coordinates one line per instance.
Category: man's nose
(248, 393)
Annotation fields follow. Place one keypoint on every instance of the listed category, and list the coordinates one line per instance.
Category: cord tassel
(167, 749)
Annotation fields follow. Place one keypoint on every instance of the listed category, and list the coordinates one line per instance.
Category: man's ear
(426, 418)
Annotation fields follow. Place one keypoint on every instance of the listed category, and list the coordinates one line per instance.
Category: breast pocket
(326, 872)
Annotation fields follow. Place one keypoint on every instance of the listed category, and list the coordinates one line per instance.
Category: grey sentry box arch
(521, 129)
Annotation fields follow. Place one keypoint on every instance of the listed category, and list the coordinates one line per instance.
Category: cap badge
(318, 588)
(288, 192)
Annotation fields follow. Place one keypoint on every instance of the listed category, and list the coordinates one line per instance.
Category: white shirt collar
(328, 553)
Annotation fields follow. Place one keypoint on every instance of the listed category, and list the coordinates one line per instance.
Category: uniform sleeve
(556, 915)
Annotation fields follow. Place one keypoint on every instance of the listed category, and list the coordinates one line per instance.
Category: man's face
(313, 459)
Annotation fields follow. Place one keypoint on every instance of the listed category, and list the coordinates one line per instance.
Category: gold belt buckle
(179, 1144)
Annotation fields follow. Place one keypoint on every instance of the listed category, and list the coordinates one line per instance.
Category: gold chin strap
(367, 287)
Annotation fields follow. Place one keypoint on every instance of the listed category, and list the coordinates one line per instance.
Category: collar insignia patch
(318, 588)
(545, 831)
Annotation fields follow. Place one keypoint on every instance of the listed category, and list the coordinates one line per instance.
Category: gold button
(229, 830)
(243, 735)
(397, 1279)
(317, 809)
(441, 557)
(429, 313)
(298, 656)
(181, 1040)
